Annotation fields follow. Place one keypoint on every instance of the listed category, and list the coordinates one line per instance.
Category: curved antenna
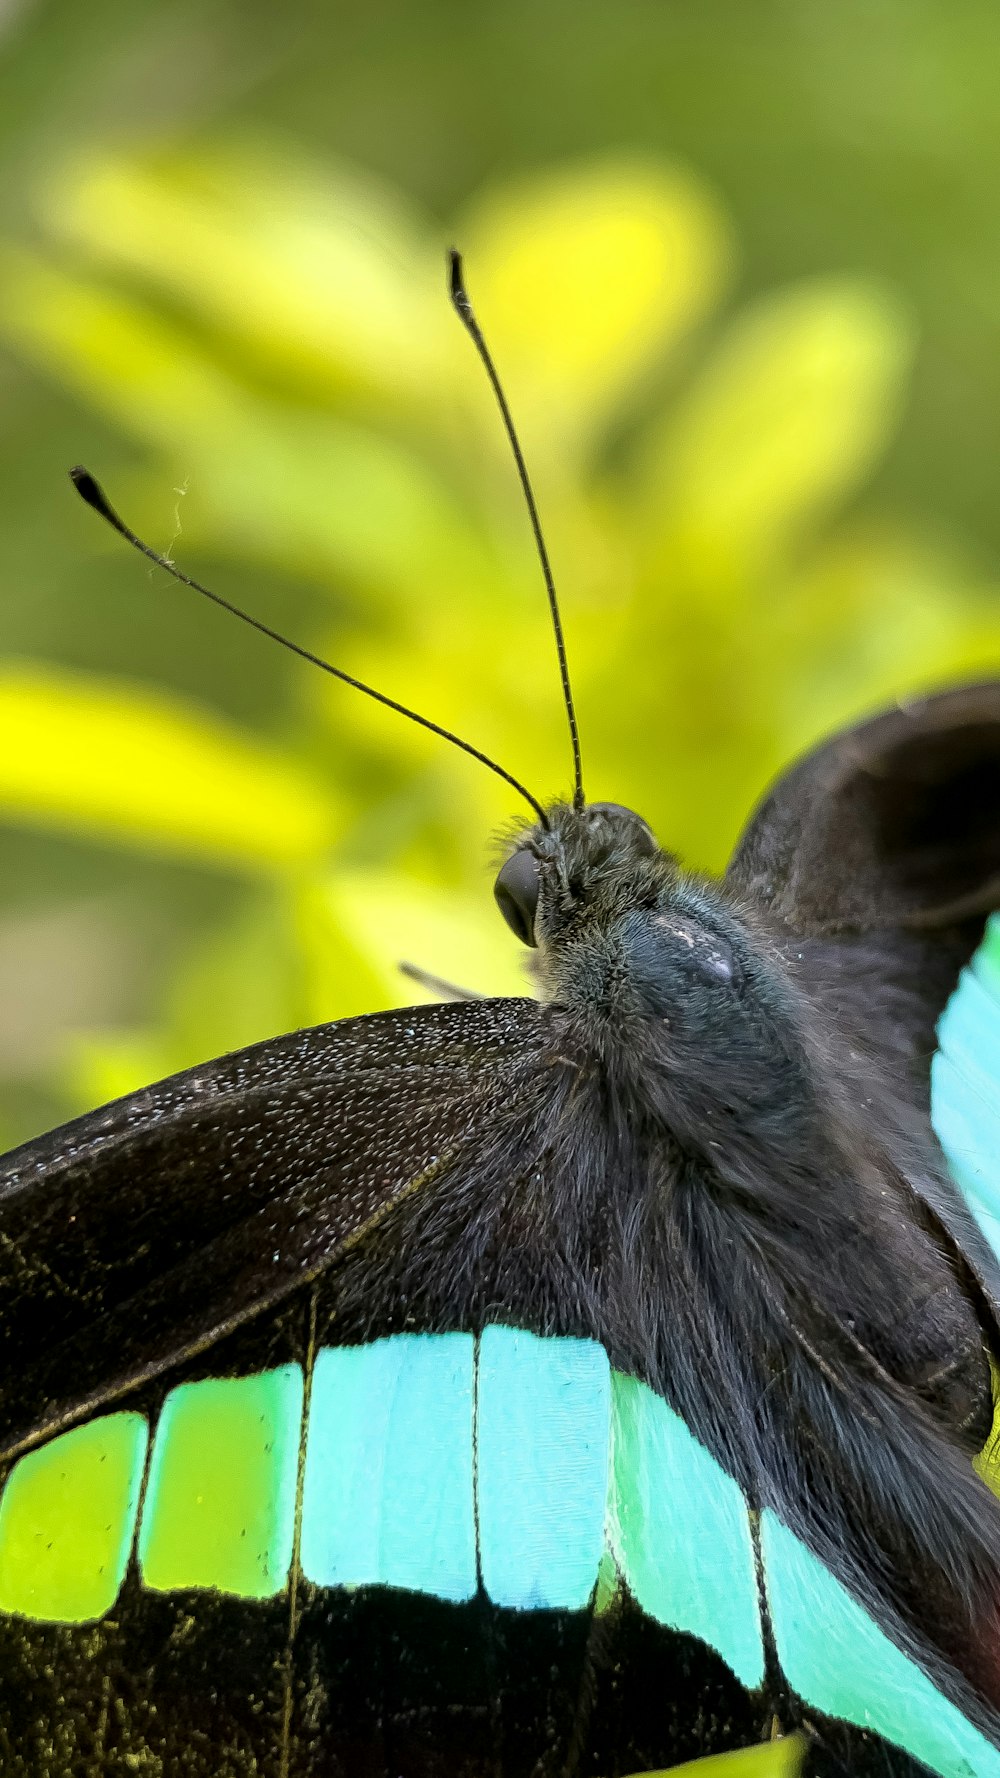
(460, 298)
(92, 492)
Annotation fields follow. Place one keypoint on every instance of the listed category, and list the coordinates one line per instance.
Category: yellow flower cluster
(274, 338)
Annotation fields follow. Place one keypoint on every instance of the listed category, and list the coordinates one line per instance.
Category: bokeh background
(740, 266)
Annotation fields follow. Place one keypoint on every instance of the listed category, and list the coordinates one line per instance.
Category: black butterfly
(578, 1384)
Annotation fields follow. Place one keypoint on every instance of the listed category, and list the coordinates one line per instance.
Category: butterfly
(574, 1384)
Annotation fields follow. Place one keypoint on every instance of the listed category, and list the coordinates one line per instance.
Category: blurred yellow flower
(276, 332)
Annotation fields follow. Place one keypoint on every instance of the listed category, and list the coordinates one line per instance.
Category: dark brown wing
(892, 823)
(879, 852)
(147, 1230)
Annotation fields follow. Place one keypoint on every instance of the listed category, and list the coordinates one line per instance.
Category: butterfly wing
(890, 824)
(879, 855)
(833, 1653)
(876, 858)
(382, 1528)
(229, 1541)
(152, 1228)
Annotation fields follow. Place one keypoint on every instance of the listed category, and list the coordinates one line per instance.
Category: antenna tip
(456, 282)
(88, 489)
(84, 483)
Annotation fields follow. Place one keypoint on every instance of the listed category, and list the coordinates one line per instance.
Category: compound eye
(516, 891)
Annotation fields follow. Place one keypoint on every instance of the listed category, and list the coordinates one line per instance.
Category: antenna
(460, 298)
(92, 492)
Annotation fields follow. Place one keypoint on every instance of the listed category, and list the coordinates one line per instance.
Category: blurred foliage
(261, 362)
(781, 1758)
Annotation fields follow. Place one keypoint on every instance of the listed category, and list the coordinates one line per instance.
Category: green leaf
(125, 763)
(587, 278)
(772, 1759)
(787, 419)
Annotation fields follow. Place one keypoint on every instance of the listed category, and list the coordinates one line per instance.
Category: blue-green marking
(67, 1518)
(965, 1078)
(838, 1660)
(680, 1531)
(969, 1032)
(388, 1495)
(219, 1510)
(542, 1435)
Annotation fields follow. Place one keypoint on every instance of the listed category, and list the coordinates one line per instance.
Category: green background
(770, 496)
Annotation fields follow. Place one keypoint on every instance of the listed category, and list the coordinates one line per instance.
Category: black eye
(516, 890)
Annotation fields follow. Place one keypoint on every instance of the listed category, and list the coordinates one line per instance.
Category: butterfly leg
(435, 984)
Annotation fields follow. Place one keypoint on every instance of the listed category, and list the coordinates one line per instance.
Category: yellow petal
(280, 963)
(98, 1066)
(313, 493)
(874, 617)
(318, 949)
(124, 763)
(316, 269)
(391, 918)
(787, 419)
(585, 279)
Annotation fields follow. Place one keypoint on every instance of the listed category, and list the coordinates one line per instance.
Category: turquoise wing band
(446, 1464)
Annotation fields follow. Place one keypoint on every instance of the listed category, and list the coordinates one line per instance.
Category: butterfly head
(615, 925)
(681, 995)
